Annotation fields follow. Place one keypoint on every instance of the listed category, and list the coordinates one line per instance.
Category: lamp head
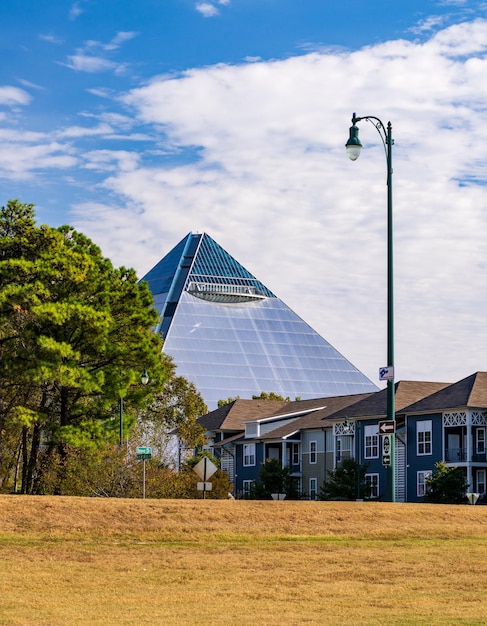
(353, 145)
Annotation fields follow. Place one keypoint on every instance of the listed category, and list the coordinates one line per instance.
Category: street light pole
(353, 147)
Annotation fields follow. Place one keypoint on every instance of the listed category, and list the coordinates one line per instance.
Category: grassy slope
(99, 561)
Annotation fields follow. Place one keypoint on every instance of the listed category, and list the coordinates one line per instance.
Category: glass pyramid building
(231, 336)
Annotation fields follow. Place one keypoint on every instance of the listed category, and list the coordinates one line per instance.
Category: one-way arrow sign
(387, 428)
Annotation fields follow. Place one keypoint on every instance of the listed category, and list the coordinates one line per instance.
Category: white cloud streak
(75, 11)
(87, 60)
(91, 64)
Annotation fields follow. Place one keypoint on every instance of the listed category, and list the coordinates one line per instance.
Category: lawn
(80, 561)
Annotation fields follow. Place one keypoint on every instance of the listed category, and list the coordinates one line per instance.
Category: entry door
(453, 447)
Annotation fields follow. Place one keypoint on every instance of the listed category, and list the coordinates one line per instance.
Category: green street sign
(144, 453)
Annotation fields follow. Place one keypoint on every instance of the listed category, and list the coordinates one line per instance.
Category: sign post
(144, 454)
(387, 428)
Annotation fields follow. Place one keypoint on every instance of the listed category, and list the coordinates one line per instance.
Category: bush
(273, 478)
(446, 485)
(344, 481)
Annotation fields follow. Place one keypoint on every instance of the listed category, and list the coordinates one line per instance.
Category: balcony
(456, 455)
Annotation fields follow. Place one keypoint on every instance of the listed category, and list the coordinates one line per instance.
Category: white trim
(424, 426)
(249, 455)
(371, 431)
(426, 474)
(313, 489)
(281, 416)
(313, 452)
(376, 476)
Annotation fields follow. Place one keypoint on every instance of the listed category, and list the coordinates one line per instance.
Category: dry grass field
(77, 561)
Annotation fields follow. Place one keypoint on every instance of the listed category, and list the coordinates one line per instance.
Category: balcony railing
(459, 455)
(456, 455)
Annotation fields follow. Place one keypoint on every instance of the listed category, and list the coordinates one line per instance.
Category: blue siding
(250, 472)
(374, 466)
(418, 463)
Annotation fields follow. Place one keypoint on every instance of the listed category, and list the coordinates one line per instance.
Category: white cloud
(82, 131)
(86, 58)
(111, 160)
(431, 23)
(50, 38)
(121, 38)
(206, 9)
(29, 85)
(75, 11)
(456, 3)
(100, 92)
(13, 95)
(21, 160)
(91, 64)
(210, 9)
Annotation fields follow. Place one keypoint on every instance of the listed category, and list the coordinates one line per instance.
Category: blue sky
(138, 122)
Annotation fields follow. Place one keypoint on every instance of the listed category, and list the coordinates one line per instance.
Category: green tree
(273, 478)
(343, 482)
(227, 401)
(446, 485)
(169, 424)
(264, 395)
(271, 395)
(75, 333)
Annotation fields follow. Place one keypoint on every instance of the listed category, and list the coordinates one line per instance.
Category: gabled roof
(468, 392)
(306, 406)
(375, 405)
(230, 417)
(315, 419)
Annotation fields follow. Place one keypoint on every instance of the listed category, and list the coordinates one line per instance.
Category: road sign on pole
(144, 454)
(204, 486)
(205, 468)
(387, 427)
(386, 449)
(386, 373)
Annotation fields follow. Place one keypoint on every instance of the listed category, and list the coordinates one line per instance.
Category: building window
(372, 483)
(371, 442)
(312, 488)
(295, 456)
(480, 441)
(421, 484)
(248, 454)
(343, 448)
(423, 437)
(247, 488)
(312, 451)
